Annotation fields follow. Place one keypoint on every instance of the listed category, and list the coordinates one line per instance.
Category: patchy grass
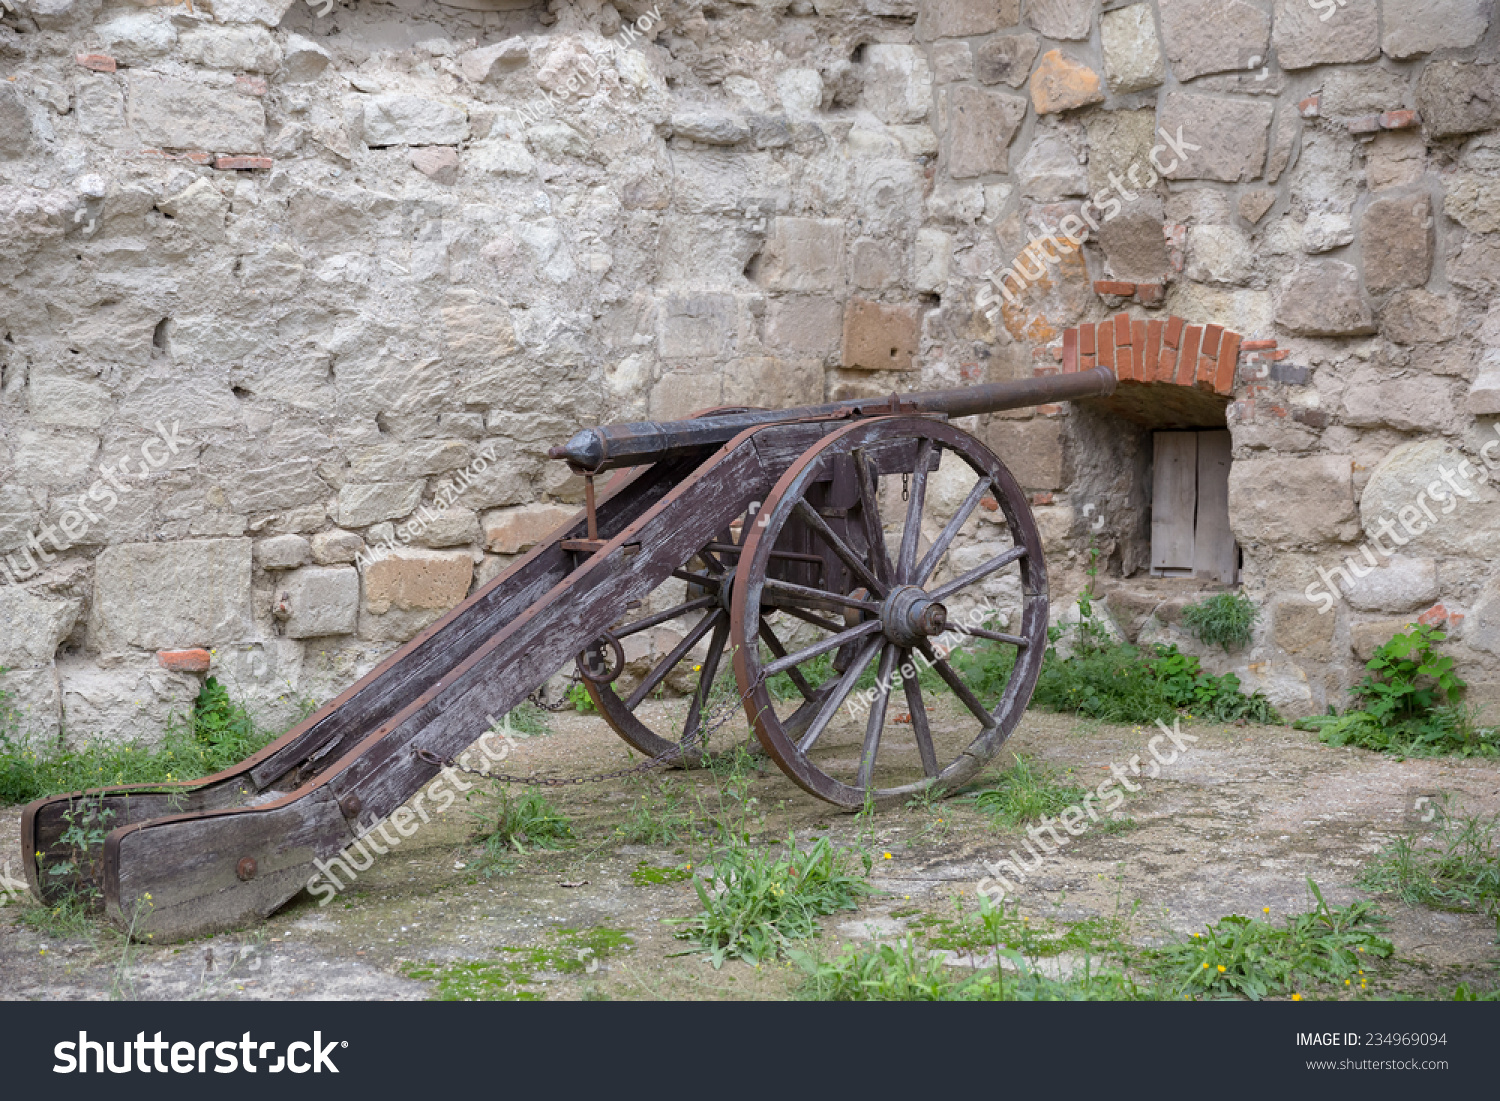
(649, 875)
(1246, 957)
(656, 814)
(757, 901)
(1026, 793)
(518, 823)
(1457, 870)
(513, 977)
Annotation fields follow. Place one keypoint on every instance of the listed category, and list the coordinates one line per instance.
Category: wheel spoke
(795, 723)
(835, 700)
(876, 724)
(706, 679)
(977, 573)
(955, 682)
(703, 580)
(773, 643)
(993, 636)
(662, 617)
(935, 553)
(833, 642)
(842, 549)
(911, 534)
(869, 496)
(668, 663)
(808, 617)
(919, 724)
(802, 592)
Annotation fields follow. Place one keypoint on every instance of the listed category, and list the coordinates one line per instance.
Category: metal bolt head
(351, 805)
(245, 869)
(933, 620)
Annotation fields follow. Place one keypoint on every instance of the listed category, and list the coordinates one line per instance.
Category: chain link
(718, 717)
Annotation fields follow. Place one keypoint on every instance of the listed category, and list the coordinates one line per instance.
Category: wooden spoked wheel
(880, 608)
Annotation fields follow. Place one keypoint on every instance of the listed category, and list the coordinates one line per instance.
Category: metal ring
(608, 675)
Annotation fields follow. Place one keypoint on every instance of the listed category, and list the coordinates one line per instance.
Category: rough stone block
(980, 127)
(1367, 637)
(1406, 404)
(1062, 84)
(1322, 298)
(1212, 36)
(802, 254)
(449, 527)
(283, 552)
(697, 325)
(1458, 97)
(1067, 20)
(32, 627)
(437, 162)
(1400, 585)
(1006, 59)
(417, 581)
(1397, 243)
(1303, 37)
(1419, 317)
(963, 18)
(773, 383)
(679, 395)
(136, 37)
(162, 596)
(898, 88)
(879, 337)
(1132, 52)
(810, 324)
(303, 60)
(514, 530)
(1298, 627)
(1214, 139)
(131, 701)
(334, 547)
(1415, 27)
(1031, 449)
(396, 119)
(363, 505)
(1484, 394)
(1290, 501)
(238, 49)
(174, 114)
(1474, 202)
(321, 601)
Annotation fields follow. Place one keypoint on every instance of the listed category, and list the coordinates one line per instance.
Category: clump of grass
(1225, 620)
(219, 733)
(519, 823)
(656, 815)
(1458, 870)
(1026, 793)
(1247, 957)
(756, 902)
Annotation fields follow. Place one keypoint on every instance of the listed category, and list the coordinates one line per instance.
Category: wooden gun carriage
(812, 544)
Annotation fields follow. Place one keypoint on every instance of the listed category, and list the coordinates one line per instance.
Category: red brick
(198, 156)
(184, 661)
(1167, 366)
(1366, 124)
(1107, 345)
(1258, 346)
(1433, 616)
(1125, 358)
(1399, 120)
(1087, 344)
(250, 85)
(100, 63)
(1138, 343)
(1041, 499)
(1149, 294)
(1210, 345)
(1049, 410)
(1112, 286)
(1172, 335)
(1070, 350)
(262, 164)
(1278, 356)
(1229, 355)
(1087, 363)
(1187, 357)
(1308, 108)
(989, 504)
(1153, 351)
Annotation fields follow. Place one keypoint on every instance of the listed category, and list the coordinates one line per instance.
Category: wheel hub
(908, 616)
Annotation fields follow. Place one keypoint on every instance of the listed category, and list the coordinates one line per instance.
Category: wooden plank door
(1174, 503)
(1215, 553)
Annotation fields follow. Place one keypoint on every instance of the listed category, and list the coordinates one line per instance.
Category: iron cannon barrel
(621, 445)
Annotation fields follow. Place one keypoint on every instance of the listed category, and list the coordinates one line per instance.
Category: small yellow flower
(1222, 969)
(1205, 967)
(1346, 982)
(1265, 909)
(1296, 997)
(1360, 949)
(148, 897)
(887, 856)
(44, 951)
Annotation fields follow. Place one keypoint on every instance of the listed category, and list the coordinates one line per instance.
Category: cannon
(814, 561)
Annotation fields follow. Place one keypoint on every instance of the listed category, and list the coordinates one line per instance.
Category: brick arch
(1162, 350)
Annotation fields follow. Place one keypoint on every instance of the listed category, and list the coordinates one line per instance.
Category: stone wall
(280, 282)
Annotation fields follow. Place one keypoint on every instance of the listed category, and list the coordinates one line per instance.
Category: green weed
(1225, 620)
(648, 875)
(1459, 870)
(1026, 793)
(519, 823)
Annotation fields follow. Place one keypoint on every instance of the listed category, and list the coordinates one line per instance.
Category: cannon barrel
(621, 445)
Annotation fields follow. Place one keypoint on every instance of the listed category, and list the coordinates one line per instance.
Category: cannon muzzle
(621, 445)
